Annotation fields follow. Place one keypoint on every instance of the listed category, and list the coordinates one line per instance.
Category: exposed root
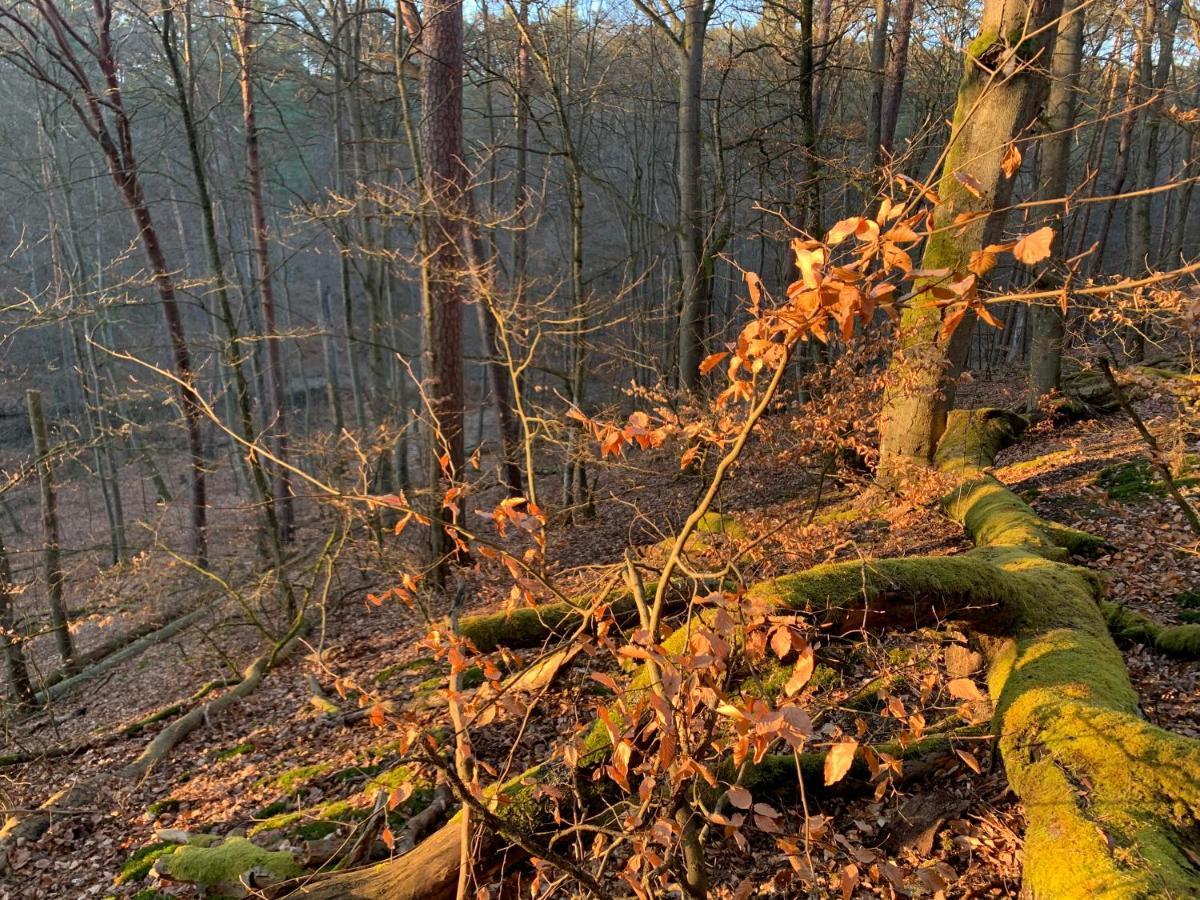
(1129, 626)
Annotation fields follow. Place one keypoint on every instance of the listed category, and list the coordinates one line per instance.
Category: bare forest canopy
(536, 449)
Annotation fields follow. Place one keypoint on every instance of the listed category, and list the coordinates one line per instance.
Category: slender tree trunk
(482, 275)
(445, 182)
(878, 75)
(897, 70)
(693, 310)
(277, 426)
(51, 540)
(333, 381)
(1047, 322)
(19, 688)
(520, 240)
(990, 112)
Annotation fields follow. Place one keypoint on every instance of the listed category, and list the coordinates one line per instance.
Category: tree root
(1129, 626)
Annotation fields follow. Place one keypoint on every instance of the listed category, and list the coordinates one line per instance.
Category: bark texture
(1001, 86)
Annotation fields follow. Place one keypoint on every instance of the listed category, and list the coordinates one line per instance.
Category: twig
(1156, 458)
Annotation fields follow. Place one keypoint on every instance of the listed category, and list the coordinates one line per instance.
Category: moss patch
(138, 865)
(298, 778)
(220, 866)
(231, 752)
(1137, 480)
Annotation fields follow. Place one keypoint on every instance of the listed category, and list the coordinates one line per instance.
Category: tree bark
(1047, 322)
(897, 70)
(445, 184)
(993, 108)
(277, 425)
(693, 309)
(877, 78)
(51, 539)
(19, 688)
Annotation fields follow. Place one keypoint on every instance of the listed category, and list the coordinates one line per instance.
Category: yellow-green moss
(222, 865)
(1130, 626)
(720, 523)
(298, 777)
(138, 865)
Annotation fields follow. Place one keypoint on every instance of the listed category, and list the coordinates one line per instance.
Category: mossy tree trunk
(1003, 81)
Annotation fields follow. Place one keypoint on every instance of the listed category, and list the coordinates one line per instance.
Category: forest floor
(273, 767)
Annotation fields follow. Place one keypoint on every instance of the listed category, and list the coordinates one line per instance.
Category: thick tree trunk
(1047, 322)
(993, 108)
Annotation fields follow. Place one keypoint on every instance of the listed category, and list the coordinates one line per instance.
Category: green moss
(272, 809)
(138, 865)
(297, 778)
(1188, 599)
(324, 817)
(1136, 480)
(413, 665)
(720, 523)
(471, 678)
(824, 676)
(230, 752)
(151, 894)
(167, 804)
(1024, 467)
(220, 866)
(868, 696)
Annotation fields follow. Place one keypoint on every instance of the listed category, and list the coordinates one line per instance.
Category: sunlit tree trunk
(993, 108)
(445, 182)
(1047, 321)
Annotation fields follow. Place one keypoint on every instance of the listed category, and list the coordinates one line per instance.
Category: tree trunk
(693, 309)
(878, 75)
(991, 111)
(19, 688)
(51, 540)
(897, 70)
(277, 426)
(1047, 321)
(445, 182)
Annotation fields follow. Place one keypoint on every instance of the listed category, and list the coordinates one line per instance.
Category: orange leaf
(842, 230)
(739, 797)
(1033, 248)
(1011, 163)
(801, 673)
(712, 361)
(838, 761)
(974, 188)
(970, 760)
(754, 285)
(964, 689)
